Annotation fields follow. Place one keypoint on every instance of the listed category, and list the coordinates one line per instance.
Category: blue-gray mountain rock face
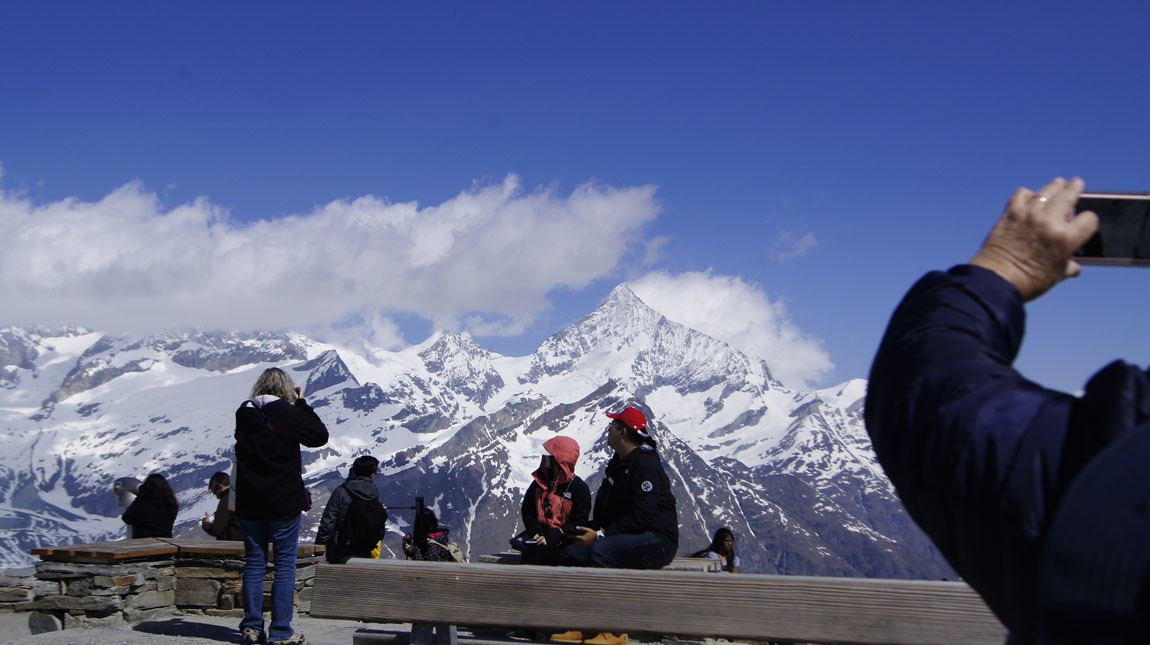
(791, 473)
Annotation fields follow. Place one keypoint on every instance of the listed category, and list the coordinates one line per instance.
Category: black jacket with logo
(636, 497)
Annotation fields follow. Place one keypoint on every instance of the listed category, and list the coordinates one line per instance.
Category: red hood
(565, 450)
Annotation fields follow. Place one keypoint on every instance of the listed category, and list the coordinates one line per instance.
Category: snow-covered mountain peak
(464, 366)
(791, 472)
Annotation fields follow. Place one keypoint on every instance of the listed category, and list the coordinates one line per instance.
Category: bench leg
(421, 634)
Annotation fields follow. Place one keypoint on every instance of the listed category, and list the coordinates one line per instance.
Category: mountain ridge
(791, 472)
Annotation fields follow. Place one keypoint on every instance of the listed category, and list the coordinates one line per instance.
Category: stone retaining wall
(66, 595)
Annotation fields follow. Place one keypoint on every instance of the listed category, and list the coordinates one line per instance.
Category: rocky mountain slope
(792, 473)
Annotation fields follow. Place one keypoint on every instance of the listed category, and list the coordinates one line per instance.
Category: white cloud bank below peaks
(741, 315)
(487, 257)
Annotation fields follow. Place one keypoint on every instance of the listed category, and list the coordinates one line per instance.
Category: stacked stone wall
(16, 587)
(67, 595)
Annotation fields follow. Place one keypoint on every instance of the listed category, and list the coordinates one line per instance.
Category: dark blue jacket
(983, 458)
(636, 497)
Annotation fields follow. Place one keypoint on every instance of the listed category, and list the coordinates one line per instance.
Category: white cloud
(489, 255)
(789, 245)
(740, 314)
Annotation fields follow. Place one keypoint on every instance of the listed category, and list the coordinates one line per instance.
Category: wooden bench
(678, 564)
(688, 603)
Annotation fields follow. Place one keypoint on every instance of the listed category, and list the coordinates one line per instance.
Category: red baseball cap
(633, 418)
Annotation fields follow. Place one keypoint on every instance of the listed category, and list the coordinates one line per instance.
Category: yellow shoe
(608, 639)
(568, 637)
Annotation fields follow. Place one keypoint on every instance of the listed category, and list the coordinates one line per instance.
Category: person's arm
(216, 528)
(132, 513)
(310, 430)
(335, 509)
(580, 503)
(527, 511)
(973, 448)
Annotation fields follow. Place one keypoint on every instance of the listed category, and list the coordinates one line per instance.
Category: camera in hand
(1123, 236)
(572, 531)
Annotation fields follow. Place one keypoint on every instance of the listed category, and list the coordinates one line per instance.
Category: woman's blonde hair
(275, 382)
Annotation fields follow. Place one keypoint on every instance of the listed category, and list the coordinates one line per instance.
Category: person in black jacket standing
(334, 530)
(270, 495)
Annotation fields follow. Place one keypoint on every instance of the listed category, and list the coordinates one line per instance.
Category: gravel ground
(186, 630)
(210, 630)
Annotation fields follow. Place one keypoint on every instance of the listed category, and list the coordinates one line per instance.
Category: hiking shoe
(295, 639)
(568, 637)
(252, 636)
(608, 639)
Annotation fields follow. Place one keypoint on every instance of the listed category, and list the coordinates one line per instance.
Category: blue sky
(775, 173)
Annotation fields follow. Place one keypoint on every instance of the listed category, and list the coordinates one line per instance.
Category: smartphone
(1123, 236)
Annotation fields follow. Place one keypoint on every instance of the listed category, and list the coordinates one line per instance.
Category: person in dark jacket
(557, 497)
(635, 524)
(226, 525)
(153, 512)
(269, 496)
(360, 485)
(1036, 497)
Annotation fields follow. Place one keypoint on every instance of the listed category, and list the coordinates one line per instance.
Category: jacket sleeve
(527, 511)
(309, 428)
(974, 450)
(132, 514)
(646, 480)
(335, 510)
(219, 524)
(580, 503)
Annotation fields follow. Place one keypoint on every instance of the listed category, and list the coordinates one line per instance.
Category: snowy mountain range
(791, 473)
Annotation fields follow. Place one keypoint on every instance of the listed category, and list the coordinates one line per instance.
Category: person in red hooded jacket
(556, 497)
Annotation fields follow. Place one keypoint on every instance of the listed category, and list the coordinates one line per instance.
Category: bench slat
(792, 608)
(124, 549)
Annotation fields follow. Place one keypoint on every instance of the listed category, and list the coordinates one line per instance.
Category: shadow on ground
(188, 628)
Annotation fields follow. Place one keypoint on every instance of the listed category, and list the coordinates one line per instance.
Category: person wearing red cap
(635, 524)
(635, 521)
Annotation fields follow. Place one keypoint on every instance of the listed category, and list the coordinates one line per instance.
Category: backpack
(365, 524)
(453, 549)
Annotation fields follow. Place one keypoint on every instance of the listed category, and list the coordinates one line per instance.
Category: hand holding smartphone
(1123, 237)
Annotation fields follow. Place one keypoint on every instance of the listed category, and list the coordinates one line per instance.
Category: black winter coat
(149, 519)
(331, 525)
(580, 495)
(225, 525)
(268, 485)
(636, 497)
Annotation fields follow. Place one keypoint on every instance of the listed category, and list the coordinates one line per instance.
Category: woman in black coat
(270, 496)
(153, 513)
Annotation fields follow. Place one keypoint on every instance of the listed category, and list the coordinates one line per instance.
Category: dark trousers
(623, 551)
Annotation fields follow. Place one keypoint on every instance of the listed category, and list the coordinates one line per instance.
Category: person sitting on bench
(635, 521)
(557, 500)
